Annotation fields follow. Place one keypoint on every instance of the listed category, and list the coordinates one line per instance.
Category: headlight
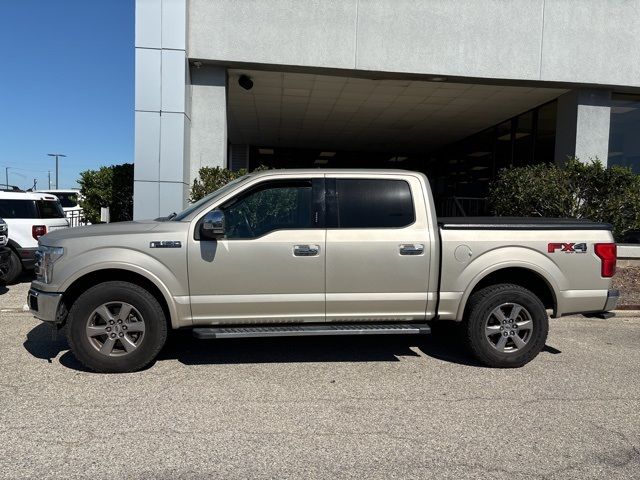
(45, 258)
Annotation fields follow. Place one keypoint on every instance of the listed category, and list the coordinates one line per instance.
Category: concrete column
(162, 123)
(208, 146)
(583, 122)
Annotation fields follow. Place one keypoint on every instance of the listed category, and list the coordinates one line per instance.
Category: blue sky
(66, 85)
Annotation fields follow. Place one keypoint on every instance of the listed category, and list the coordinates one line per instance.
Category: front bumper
(612, 300)
(44, 305)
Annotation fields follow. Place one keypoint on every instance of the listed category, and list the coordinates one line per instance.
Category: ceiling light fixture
(265, 151)
(437, 79)
(321, 161)
(327, 154)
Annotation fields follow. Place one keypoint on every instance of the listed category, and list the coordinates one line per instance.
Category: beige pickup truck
(319, 252)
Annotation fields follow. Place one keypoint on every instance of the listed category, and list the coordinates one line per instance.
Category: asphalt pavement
(362, 408)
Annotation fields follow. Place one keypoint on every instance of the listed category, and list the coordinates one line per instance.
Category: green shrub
(575, 190)
(212, 178)
(107, 187)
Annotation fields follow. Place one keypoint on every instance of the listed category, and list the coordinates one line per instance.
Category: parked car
(4, 251)
(70, 201)
(313, 252)
(28, 216)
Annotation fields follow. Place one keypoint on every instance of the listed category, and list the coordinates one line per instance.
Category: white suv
(70, 201)
(28, 216)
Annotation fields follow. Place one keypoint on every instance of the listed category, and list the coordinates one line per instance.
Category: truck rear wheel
(11, 270)
(116, 327)
(506, 326)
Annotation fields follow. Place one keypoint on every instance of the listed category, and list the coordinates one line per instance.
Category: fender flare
(543, 272)
(113, 265)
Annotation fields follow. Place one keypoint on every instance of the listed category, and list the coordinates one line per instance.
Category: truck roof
(355, 171)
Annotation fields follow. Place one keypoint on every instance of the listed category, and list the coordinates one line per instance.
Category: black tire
(480, 319)
(12, 270)
(82, 314)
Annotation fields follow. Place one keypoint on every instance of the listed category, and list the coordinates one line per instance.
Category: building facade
(456, 89)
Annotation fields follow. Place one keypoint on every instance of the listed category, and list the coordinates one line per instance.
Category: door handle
(411, 249)
(306, 250)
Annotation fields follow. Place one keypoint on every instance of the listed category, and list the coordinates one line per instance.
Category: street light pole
(6, 176)
(56, 155)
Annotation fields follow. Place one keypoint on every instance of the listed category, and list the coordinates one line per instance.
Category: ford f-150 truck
(319, 252)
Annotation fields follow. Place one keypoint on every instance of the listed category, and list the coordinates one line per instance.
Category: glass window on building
(624, 133)
(523, 139)
(545, 138)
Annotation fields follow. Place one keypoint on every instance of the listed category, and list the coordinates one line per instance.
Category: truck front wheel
(116, 327)
(505, 326)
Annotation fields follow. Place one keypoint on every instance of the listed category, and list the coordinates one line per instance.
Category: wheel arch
(524, 276)
(92, 278)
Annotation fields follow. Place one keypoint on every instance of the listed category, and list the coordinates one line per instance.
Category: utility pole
(49, 176)
(56, 155)
(6, 176)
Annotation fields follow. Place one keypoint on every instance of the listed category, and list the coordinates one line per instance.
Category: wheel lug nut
(111, 322)
(506, 334)
(512, 332)
(108, 329)
(113, 335)
(121, 334)
(124, 327)
(119, 321)
(501, 328)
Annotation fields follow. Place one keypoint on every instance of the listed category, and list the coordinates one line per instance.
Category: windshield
(67, 199)
(204, 200)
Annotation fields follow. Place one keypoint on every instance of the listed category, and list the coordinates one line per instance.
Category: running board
(255, 331)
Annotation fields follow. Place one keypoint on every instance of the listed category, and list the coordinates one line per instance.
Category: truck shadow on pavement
(444, 344)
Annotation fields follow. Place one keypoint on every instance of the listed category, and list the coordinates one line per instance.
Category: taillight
(38, 230)
(607, 253)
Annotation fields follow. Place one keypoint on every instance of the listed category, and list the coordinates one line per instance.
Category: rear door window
(371, 203)
(10, 208)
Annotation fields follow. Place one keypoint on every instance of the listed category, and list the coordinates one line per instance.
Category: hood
(117, 228)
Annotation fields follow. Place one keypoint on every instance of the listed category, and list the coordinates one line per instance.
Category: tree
(107, 187)
(575, 190)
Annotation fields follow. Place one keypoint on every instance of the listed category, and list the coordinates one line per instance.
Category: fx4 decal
(567, 247)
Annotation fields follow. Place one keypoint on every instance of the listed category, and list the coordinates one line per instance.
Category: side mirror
(212, 226)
